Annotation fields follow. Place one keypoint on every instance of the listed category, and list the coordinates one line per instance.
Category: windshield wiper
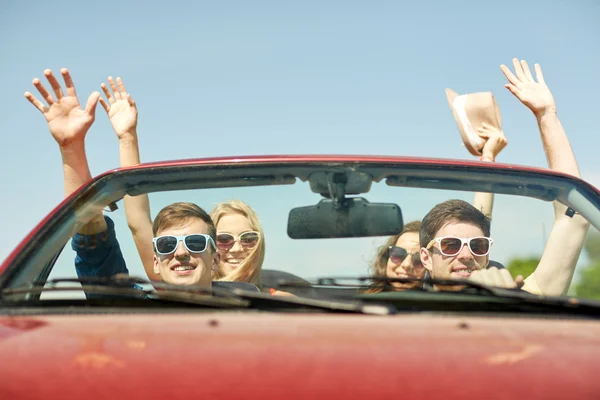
(516, 298)
(362, 282)
(101, 288)
(131, 287)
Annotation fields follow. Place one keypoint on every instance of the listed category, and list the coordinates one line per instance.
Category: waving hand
(67, 121)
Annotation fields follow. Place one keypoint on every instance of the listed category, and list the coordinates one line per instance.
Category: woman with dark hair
(399, 258)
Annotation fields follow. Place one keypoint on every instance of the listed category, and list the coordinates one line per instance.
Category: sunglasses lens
(450, 246)
(196, 243)
(479, 246)
(225, 241)
(166, 244)
(249, 239)
(397, 254)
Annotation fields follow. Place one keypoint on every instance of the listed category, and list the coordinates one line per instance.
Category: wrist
(487, 158)
(548, 112)
(127, 137)
(72, 146)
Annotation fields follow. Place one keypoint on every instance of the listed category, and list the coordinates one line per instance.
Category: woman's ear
(426, 259)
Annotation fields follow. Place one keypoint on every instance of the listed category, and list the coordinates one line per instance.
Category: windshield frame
(108, 188)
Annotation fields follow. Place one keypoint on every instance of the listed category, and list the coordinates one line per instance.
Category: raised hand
(121, 108)
(535, 95)
(494, 139)
(67, 121)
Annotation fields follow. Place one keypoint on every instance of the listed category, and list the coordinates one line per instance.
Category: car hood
(243, 355)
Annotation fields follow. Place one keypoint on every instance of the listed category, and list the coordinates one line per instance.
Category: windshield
(367, 229)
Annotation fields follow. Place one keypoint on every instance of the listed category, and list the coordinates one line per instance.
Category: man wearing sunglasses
(455, 238)
(185, 252)
(455, 244)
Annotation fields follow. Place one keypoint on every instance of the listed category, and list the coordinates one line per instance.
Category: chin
(182, 281)
(406, 286)
(229, 268)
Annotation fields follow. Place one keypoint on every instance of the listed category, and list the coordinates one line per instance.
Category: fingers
(107, 93)
(506, 279)
(119, 92)
(111, 100)
(509, 75)
(43, 92)
(114, 88)
(493, 277)
(68, 82)
(483, 133)
(54, 84)
(538, 73)
(121, 85)
(478, 276)
(526, 71)
(518, 69)
(36, 103)
(486, 131)
(104, 105)
(92, 102)
(519, 281)
(130, 100)
(513, 89)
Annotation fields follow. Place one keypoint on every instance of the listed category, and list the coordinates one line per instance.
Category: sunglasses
(248, 240)
(194, 243)
(451, 246)
(398, 254)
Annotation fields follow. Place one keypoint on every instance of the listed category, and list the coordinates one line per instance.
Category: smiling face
(462, 264)
(406, 269)
(234, 224)
(183, 267)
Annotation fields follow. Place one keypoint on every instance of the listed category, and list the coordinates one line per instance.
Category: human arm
(98, 254)
(123, 114)
(69, 123)
(555, 271)
(495, 141)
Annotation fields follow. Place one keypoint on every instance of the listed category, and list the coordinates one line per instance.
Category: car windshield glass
(281, 228)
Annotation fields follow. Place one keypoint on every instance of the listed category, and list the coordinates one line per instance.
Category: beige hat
(470, 111)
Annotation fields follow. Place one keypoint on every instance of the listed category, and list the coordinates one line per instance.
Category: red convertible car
(317, 317)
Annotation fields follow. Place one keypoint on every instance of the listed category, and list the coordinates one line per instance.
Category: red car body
(245, 356)
(259, 355)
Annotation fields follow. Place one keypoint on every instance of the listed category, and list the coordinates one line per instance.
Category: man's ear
(216, 259)
(155, 260)
(426, 259)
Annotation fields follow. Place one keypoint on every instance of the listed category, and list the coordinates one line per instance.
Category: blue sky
(273, 77)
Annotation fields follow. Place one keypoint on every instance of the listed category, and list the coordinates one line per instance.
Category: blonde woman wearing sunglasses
(240, 242)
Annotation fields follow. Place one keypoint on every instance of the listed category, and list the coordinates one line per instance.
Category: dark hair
(380, 263)
(177, 214)
(378, 268)
(451, 211)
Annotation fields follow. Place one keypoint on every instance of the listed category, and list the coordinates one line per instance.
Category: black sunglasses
(398, 254)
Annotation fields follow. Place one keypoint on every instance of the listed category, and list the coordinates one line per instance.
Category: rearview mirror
(353, 217)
